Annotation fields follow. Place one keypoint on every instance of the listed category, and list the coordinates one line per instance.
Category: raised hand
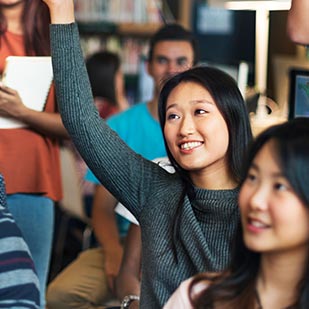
(61, 11)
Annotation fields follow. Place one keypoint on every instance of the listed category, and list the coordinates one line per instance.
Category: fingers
(6, 89)
(3, 97)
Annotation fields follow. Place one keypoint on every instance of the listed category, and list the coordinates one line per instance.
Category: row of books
(131, 50)
(119, 11)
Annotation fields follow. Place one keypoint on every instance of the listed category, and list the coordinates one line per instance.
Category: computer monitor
(299, 93)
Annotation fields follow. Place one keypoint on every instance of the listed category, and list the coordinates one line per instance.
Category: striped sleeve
(19, 285)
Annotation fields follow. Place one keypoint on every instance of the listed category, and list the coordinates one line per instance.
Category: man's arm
(128, 280)
(298, 22)
(105, 228)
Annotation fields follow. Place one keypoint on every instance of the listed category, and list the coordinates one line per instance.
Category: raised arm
(61, 11)
(127, 175)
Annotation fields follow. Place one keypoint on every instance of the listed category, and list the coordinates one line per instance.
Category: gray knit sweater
(206, 224)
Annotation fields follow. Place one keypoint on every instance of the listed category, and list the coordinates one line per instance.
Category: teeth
(257, 223)
(190, 145)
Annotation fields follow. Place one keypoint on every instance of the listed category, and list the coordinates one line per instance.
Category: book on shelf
(32, 77)
(119, 11)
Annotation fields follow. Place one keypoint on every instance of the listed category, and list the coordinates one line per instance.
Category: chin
(255, 246)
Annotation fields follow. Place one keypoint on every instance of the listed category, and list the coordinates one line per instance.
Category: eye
(200, 111)
(251, 177)
(280, 186)
(172, 116)
(182, 62)
(162, 60)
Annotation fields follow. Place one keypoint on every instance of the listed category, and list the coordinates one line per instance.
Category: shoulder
(133, 111)
(191, 287)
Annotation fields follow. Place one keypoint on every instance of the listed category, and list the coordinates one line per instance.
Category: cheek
(243, 198)
(168, 134)
(288, 219)
(225, 137)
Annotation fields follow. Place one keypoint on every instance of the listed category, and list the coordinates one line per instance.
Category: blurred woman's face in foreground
(274, 219)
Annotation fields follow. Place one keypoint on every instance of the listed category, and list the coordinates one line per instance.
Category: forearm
(127, 283)
(104, 221)
(128, 279)
(49, 124)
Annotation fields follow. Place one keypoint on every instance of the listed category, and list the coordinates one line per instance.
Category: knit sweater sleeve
(128, 176)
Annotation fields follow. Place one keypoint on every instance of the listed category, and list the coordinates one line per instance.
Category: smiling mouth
(190, 145)
(257, 224)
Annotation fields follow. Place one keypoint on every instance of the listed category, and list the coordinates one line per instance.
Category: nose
(187, 126)
(172, 67)
(259, 198)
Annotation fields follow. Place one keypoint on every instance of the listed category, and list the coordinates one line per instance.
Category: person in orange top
(29, 156)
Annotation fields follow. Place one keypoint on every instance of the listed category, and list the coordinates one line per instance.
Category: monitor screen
(299, 93)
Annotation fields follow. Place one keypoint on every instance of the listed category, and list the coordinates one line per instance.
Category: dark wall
(228, 48)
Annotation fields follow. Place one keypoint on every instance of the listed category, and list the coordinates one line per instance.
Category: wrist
(62, 13)
(128, 300)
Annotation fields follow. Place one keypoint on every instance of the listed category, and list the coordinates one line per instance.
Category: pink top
(180, 298)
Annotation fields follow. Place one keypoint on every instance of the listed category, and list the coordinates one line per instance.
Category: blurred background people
(29, 156)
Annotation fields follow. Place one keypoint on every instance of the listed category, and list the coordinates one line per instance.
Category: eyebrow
(203, 101)
(169, 59)
(274, 175)
(192, 102)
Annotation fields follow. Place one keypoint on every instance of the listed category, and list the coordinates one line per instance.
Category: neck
(278, 278)
(217, 177)
(153, 108)
(12, 13)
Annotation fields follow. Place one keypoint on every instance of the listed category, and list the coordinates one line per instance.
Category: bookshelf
(124, 27)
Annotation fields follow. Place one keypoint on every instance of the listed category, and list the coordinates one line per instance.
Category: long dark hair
(230, 103)
(102, 68)
(236, 287)
(35, 22)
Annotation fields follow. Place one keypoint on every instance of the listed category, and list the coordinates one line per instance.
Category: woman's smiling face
(274, 219)
(195, 131)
